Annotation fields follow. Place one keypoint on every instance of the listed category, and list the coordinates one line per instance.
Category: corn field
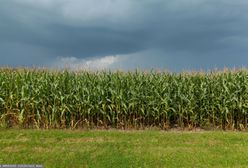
(36, 98)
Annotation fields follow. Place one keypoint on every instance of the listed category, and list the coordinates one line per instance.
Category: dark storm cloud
(174, 34)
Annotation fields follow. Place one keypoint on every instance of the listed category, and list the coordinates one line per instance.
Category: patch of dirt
(40, 149)
(11, 149)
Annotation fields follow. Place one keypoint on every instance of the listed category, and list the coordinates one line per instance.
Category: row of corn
(39, 98)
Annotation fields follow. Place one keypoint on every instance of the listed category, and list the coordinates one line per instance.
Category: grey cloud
(174, 34)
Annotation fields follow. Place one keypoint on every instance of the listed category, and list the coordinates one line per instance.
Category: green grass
(149, 148)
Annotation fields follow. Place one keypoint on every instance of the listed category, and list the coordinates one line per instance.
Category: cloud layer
(174, 35)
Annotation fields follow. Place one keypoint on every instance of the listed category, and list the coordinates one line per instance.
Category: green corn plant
(43, 98)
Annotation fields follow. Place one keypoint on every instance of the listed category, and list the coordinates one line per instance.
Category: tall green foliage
(63, 99)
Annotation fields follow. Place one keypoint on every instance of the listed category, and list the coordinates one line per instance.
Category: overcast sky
(124, 34)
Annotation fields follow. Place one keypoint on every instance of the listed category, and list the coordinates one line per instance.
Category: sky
(172, 35)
